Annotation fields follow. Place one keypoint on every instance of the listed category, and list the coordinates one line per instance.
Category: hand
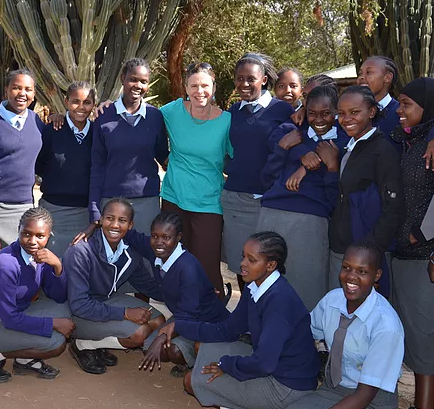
(291, 139)
(412, 239)
(57, 120)
(165, 164)
(100, 110)
(429, 155)
(153, 354)
(139, 315)
(64, 325)
(86, 234)
(169, 331)
(311, 161)
(329, 154)
(213, 368)
(293, 182)
(46, 256)
(298, 116)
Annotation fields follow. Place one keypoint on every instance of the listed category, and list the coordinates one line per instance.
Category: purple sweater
(123, 157)
(18, 152)
(19, 284)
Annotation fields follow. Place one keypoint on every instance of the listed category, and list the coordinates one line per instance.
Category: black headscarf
(421, 91)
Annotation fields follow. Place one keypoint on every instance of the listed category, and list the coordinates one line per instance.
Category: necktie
(345, 160)
(162, 273)
(250, 108)
(33, 263)
(18, 125)
(131, 119)
(337, 349)
(80, 136)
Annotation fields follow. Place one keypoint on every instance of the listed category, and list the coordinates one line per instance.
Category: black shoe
(87, 359)
(228, 294)
(5, 376)
(246, 338)
(106, 357)
(179, 371)
(45, 371)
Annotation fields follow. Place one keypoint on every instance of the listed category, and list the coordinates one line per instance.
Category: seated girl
(365, 337)
(34, 331)
(96, 270)
(283, 365)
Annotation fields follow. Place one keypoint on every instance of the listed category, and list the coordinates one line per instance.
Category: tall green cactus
(66, 40)
(403, 32)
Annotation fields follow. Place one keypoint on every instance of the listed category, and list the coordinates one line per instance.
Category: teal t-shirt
(194, 178)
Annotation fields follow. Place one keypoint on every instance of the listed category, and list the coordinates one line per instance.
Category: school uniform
(95, 273)
(251, 126)
(64, 165)
(373, 349)
(25, 324)
(283, 364)
(301, 218)
(124, 150)
(185, 289)
(20, 142)
(389, 119)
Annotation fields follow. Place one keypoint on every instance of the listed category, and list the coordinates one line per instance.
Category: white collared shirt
(122, 111)
(262, 102)
(352, 143)
(13, 118)
(112, 257)
(75, 129)
(257, 292)
(26, 256)
(172, 258)
(332, 134)
(384, 102)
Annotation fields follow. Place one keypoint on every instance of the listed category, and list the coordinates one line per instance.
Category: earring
(188, 98)
(213, 97)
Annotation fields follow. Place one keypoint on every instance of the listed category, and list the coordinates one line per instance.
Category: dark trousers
(202, 237)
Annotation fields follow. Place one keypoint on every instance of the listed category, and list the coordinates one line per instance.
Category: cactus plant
(66, 40)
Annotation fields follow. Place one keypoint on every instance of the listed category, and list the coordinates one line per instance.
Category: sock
(109, 343)
(23, 361)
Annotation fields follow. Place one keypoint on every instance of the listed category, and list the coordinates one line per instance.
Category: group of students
(305, 181)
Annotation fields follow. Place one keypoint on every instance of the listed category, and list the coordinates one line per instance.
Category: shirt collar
(12, 117)
(74, 128)
(112, 257)
(120, 108)
(384, 102)
(173, 257)
(362, 312)
(257, 292)
(352, 143)
(332, 134)
(262, 102)
(26, 256)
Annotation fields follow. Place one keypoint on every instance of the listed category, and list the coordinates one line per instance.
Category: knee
(175, 355)
(56, 352)
(187, 383)
(157, 322)
(196, 347)
(140, 335)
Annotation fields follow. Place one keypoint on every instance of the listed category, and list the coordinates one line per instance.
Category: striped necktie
(131, 119)
(250, 108)
(18, 125)
(80, 137)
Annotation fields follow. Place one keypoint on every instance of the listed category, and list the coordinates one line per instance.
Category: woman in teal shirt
(199, 141)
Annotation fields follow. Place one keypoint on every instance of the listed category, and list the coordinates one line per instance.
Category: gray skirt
(185, 345)
(306, 236)
(16, 340)
(240, 218)
(67, 222)
(10, 215)
(225, 391)
(335, 269)
(413, 298)
(97, 330)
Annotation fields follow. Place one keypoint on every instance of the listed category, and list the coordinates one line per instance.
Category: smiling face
(288, 87)
(34, 235)
(136, 84)
(164, 240)
(358, 275)
(410, 112)
(320, 115)
(20, 93)
(355, 116)
(373, 74)
(80, 105)
(255, 266)
(200, 89)
(115, 223)
(249, 80)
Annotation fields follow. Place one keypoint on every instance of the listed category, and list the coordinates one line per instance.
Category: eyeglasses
(199, 65)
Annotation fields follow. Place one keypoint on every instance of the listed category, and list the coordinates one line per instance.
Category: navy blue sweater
(249, 134)
(282, 341)
(388, 121)
(319, 189)
(123, 157)
(64, 166)
(18, 152)
(91, 279)
(186, 289)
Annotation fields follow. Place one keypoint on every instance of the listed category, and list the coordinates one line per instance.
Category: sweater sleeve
(55, 287)
(10, 316)
(144, 282)
(274, 166)
(45, 152)
(141, 243)
(161, 143)
(331, 186)
(77, 266)
(283, 129)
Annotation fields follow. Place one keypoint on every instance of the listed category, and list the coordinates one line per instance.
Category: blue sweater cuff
(47, 327)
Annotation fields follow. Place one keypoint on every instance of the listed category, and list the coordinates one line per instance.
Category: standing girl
(289, 86)
(413, 290)
(20, 142)
(253, 121)
(371, 203)
(64, 165)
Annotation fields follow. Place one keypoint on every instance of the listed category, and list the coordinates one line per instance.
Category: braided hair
(290, 69)
(273, 246)
(134, 62)
(322, 79)
(373, 250)
(368, 97)
(36, 214)
(122, 201)
(323, 91)
(173, 219)
(81, 85)
(264, 62)
(389, 65)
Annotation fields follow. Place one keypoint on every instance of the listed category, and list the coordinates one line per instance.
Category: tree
(65, 40)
